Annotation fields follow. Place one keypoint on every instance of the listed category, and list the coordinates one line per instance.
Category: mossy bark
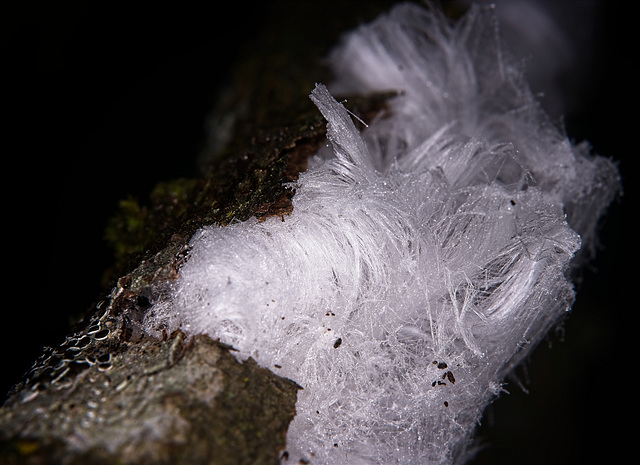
(110, 393)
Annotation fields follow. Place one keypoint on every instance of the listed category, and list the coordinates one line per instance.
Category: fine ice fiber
(425, 257)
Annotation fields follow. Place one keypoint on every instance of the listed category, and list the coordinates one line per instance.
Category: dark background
(103, 100)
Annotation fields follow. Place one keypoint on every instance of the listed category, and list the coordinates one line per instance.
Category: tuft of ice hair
(442, 235)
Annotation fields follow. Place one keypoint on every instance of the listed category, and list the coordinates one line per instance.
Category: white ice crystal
(423, 258)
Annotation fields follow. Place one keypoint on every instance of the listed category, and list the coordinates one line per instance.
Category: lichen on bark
(110, 396)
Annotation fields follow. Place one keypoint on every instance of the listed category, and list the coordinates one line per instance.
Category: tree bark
(111, 394)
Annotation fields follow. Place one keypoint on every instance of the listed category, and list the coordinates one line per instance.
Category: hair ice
(440, 236)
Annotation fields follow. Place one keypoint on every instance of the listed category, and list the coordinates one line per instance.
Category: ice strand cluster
(424, 258)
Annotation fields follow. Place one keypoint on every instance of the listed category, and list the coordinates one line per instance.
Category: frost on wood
(424, 258)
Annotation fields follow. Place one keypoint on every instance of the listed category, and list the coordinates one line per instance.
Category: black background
(102, 100)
